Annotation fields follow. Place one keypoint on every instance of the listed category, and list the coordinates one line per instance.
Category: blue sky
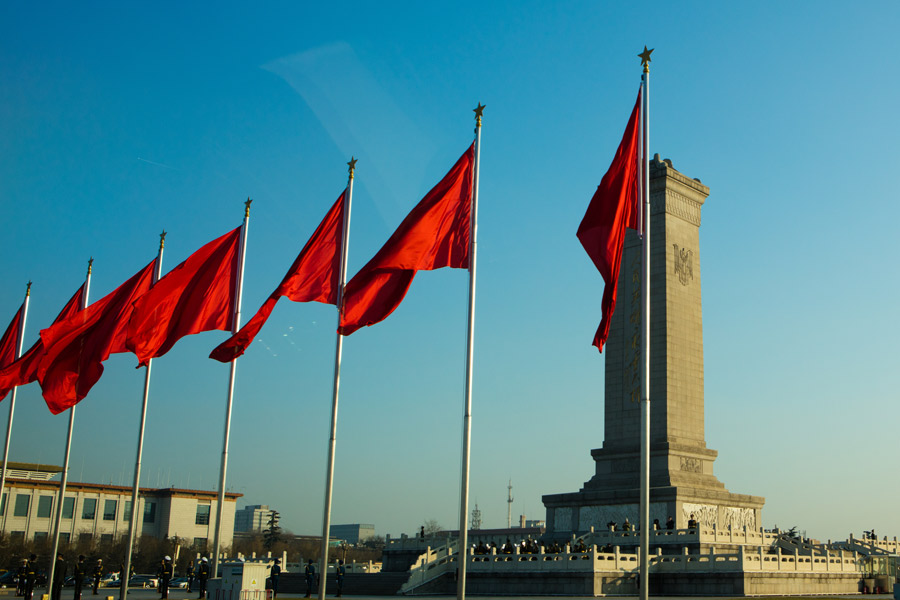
(121, 120)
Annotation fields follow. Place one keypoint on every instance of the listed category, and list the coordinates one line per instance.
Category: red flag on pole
(434, 234)
(197, 295)
(10, 339)
(614, 207)
(76, 347)
(312, 278)
(24, 370)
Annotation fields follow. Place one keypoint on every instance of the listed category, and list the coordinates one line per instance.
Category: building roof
(34, 471)
(119, 489)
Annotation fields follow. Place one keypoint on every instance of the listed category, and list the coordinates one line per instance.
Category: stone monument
(681, 466)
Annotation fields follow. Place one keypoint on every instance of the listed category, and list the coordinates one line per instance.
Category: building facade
(103, 512)
(353, 533)
(252, 519)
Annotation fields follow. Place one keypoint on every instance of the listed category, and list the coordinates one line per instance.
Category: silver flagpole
(329, 476)
(463, 548)
(133, 522)
(65, 472)
(235, 326)
(645, 333)
(12, 396)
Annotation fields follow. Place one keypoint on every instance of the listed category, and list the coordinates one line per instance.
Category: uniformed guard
(20, 579)
(165, 576)
(30, 576)
(341, 571)
(79, 576)
(97, 574)
(190, 576)
(59, 576)
(273, 575)
(202, 575)
(310, 578)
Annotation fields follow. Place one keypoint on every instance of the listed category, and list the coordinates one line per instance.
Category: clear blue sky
(121, 120)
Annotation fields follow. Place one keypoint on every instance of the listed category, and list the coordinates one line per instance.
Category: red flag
(10, 341)
(314, 277)
(434, 234)
(24, 370)
(197, 295)
(76, 347)
(614, 207)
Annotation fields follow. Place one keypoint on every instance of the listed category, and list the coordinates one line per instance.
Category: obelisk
(681, 466)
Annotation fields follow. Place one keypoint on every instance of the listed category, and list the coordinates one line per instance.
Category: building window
(40, 536)
(68, 510)
(89, 509)
(149, 512)
(65, 537)
(109, 510)
(106, 538)
(17, 535)
(21, 508)
(85, 537)
(126, 511)
(202, 514)
(45, 507)
(200, 544)
(3, 505)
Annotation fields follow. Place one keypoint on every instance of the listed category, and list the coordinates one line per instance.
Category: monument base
(682, 486)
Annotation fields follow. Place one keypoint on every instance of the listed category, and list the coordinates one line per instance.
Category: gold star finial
(162, 239)
(352, 166)
(645, 58)
(28, 289)
(478, 110)
(90, 265)
(247, 207)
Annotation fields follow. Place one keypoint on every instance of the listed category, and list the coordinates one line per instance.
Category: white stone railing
(443, 560)
(756, 561)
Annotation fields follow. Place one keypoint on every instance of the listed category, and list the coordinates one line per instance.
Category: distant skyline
(119, 121)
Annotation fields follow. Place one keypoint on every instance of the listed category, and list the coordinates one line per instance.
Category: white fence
(435, 563)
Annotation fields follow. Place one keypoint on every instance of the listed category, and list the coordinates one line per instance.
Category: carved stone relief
(684, 264)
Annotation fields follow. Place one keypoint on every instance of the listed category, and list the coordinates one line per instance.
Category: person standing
(59, 576)
(310, 578)
(203, 576)
(97, 574)
(30, 576)
(190, 576)
(341, 571)
(20, 577)
(165, 576)
(79, 576)
(273, 575)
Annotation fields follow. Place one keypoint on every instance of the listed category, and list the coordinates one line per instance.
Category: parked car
(8, 579)
(179, 583)
(143, 581)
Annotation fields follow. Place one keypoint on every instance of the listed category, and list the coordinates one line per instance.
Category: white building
(103, 512)
(252, 519)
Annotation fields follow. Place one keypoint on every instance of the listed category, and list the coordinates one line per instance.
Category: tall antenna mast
(509, 501)
(476, 517)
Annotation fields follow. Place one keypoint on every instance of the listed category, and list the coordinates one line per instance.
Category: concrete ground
(145, 594)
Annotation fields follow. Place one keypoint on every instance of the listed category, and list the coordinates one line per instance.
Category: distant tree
(792, 533)
(432, 527)
(273, 534)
